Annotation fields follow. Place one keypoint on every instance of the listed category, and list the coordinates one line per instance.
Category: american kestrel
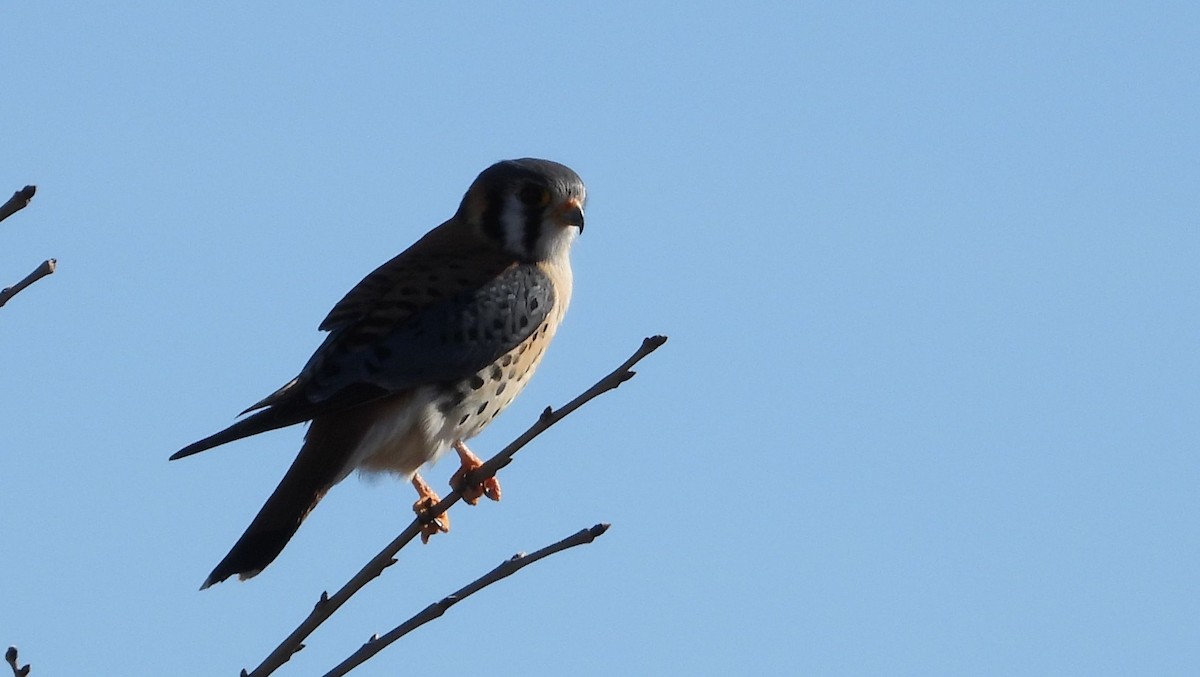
(422, 353)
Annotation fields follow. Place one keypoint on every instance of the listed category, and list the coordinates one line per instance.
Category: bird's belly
(402, 437)
(417, 429)
(470, 405)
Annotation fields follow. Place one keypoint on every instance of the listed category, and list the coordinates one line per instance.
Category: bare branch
(17, 202)
(327, 605)
(43, 270)
(11, 657)
(435, 611)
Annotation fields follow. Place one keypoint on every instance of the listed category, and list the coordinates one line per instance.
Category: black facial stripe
(491, 216)
(533, 228)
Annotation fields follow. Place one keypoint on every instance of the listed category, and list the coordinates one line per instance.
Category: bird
(422, 354)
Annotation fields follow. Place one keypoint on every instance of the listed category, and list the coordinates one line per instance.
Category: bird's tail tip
(187, 451)
(219, 576)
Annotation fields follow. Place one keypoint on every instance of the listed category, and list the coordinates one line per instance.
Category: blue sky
(930, 403)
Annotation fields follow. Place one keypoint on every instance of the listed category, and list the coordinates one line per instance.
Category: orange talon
(426, 499)
(470, 463)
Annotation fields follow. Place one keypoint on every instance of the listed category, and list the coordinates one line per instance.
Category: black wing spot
(496, 373)
(476, 382)
(482, 408)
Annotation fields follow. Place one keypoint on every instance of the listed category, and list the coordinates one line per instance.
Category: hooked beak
(570, 213)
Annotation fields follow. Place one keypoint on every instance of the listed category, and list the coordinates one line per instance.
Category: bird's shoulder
(441, 265)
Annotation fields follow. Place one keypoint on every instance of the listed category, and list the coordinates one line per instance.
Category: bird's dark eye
(532, 195)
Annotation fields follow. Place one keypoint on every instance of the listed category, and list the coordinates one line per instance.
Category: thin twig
(326, 604)
(43, 270)
(11, 657)
(435, 610)
(17, 202)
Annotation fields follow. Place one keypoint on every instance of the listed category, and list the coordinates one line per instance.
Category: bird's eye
(534, 196)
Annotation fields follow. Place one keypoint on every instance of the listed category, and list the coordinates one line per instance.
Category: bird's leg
(470, 462)
(426, 499)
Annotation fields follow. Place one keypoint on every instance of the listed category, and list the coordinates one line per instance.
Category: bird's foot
(426, 499)
(470, 463)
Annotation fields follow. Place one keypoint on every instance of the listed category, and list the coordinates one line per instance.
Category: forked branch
(10, 657)
(326, 605)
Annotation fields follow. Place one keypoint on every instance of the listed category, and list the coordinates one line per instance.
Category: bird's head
(531, 208)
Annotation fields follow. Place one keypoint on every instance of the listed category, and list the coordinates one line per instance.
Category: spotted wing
(442, 342)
